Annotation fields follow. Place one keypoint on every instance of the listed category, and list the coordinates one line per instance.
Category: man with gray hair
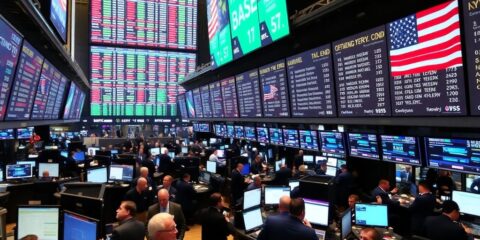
(162, 227)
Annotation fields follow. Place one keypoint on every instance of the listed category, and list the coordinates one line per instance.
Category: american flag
(426, 41)
(213, 18)
(269, 92)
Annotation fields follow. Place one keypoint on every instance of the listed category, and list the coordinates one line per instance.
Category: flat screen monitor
(332, 161)
(121, 173)
(468, 202)
(32, 163)
(239, 132)
(346, 223)
(58, 16)
(252, 198)
(92, 151)
(372, 215)
(274, 193)
(43, 221)
(293, 183)
(52, 168)
(252, 219)
(331, 171)
(155, 151)
(230, 131)
(276, 136)
(184, 149)
(64, 154)
(24, 133)
(113, 152)
(290, 137)
(171, 154)
(308, 140)
(211, 166)
(18, 171)
(250, 134)
(79, 156)
(308, 159)
(320, 159)
(454, 154)
(246, 169)
(316, 212)
(6, 134)
(75, 225)
(220, 130)
(97, 175)
(262, 134)
(212, 141)
(332, 143)
(363, 145)
(400, 149)
(220, 153)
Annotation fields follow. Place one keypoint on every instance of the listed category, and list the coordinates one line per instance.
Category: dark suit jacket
(282, 176)
(176, 211)
(384, 195)
(443, 228)
(185, 196)
(286, 227)
(142, 200)
(166, 164)
(214, 225)
(130, 229)
(237, 186)
(420, 209)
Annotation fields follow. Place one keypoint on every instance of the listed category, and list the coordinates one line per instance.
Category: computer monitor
(246, 169)
(204, 177)
(331, 171)
(316, 212)
(252, 219)
(293, 183)
(211, 166)
(373, 215)
(92, 151)
(52, 168)
(113, 152)
(6, 134)
(274, 193)
(346, 223)
(213, 141)
(79, 156)
(155, 151)
(332, 162)
(64, 154)
(468, 202)
(184, 149)
(121, 173)
(75, 225)
(252, 198)
(220, 153)
(320, 159)
(33, 163)
(171, 154)
(43, 221)
(308, 159)
(18, 171)
(97, 175)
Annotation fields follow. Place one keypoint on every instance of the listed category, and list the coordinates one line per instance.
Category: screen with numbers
(248, 90)
(217, 101)
(471, 26)
(274, 89)
(229, 95)
(206, 102)
(197, 102)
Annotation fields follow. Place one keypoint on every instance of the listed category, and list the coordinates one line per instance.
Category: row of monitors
(50, 222)
(410, 67)
(32, 88)
(19, 133)
(447, 153)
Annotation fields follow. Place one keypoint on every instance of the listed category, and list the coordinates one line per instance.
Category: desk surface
(387, 233)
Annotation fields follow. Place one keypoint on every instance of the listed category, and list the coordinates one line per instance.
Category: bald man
(164, 205)
(141, 197)
(284, 205)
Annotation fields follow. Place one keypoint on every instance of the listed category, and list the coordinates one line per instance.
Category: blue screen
(246, 169)
(262, 135)
(250, 133)
(276, 136)
(76, 227)
(58, 16)
(401, 149)
(24, 133)
(6, 134)
(220, 130)
(64, 154)
(230, 131)
(79, 156)
(363, 145)
(308, 140)
(332, 144)
(371, 215)
(290, 137)
(456, 154)
(19, 171)
(239, 132)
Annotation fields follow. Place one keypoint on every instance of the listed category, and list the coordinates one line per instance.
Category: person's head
(352, 199)
(297, 208)
(408, 168)
(257, 181)
(258, 158)
(239, 167)
(162, 227)
(142, 184)
(215, 200)
(300, 152)
(165, 151)
(167, 181)
(451, 209)
(215, 152)
(344, 168)
(444, 173)
(284, 204)
(186, 177)
(384, 184)
(370, 234)
(126, 210)
(144, 172)
(423, 187)
(141, 150)
(45, 174)
(163, 197)
(283, 166)
(29, 237)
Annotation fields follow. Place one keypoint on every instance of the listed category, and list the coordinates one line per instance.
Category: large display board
(43, 89)
(136, 82)
(190, 104)
(206, 102)
(245, 27)
(55, 98)
(9, 52)
(219, 32)
(217, 101)
(248, 90)
(148, 23)
(273, 16)
(274, 90)
(471, 19)
(311, 85)
(229, 95)
(182, 106)
(75, 102)
(426, 63)
(58, 16)
(361, 69)
(25, 83)
(454, 154)
(197, 102)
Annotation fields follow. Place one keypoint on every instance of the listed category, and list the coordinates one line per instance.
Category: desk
(387, 233)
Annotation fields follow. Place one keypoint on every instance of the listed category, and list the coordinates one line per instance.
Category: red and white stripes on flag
(435, 45)
(213, 21)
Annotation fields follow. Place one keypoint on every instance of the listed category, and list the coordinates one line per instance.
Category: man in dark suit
(298, 160)
(282, 175)
(186, 196)
(166, 165)
(292, 226)
(215, 226)
(237, 185)
(151, 186)
(129, 228)
(382, 192)
(343, 186)
(164, 205)
(445, 227)
(167, 184)
(421, 208)
(148, 163)
(140, 196)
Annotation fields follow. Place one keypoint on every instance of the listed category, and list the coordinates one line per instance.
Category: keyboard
(475, 228)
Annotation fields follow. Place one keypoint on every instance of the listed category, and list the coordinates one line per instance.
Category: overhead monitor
(197, 102)
(230, 131)
(469, 34)
(262, 134)
(212, 166)
(308, 140)
(274, 88)
(468, 202)
(220, 130)
(75, 102)
(182, 105)
(97, 175)
(75, 225)
(206, 101)
(250, 133)
(7, 134)
(252, 198)
(43, 221)
(52, 168)
(229, 97)
(248, 91)
(363, 145)
(217, 100)
(293, 183)
(372, 215)
(252, 219)
(121, 173)
(276, 136)
(24, 133)
(18, 171)
(239, 132)
(290, 137)
(58, 17)
(346, 223)
(274, 193)
(316, 212)
(332, 143)
(453, 154)
(400, 149)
